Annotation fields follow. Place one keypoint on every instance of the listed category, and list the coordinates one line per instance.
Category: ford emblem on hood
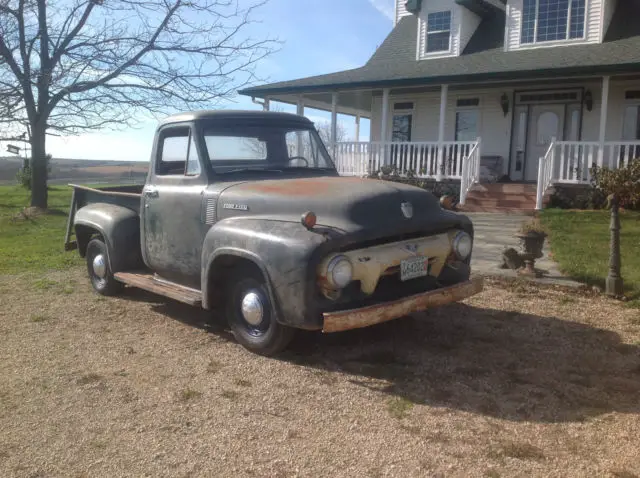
(407, 209)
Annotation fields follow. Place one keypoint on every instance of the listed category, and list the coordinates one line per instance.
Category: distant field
(74, 170)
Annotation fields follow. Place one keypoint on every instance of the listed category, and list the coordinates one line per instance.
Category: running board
(151, 283)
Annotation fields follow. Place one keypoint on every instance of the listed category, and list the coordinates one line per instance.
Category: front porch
(545, 133)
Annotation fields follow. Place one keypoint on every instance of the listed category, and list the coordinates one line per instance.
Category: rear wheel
(251, 314)
(98, 268)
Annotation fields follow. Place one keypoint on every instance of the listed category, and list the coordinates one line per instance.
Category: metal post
(614, 284)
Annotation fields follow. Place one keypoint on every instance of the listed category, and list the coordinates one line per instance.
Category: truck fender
(119, 228)
(240, 254)
(282, 250)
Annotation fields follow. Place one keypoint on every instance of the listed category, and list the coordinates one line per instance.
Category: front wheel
(98, 268)
(251, 315)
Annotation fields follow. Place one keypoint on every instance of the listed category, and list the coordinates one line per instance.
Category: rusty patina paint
(376, 314)
(300, 187)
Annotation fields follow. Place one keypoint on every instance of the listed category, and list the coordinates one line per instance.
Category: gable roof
(394, 63)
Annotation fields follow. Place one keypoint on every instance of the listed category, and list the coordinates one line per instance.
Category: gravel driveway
(514, 382)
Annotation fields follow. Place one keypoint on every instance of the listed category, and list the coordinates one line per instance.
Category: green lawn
(580, 244)
(35, 243)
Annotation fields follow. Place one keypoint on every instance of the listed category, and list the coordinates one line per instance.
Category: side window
(174, 151)
(193, 164)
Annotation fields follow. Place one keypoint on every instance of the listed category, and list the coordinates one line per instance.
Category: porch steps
(501, 197)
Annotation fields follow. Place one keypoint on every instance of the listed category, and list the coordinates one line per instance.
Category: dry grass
(515, 382)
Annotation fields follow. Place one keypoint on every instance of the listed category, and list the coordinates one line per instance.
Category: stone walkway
(496, 231)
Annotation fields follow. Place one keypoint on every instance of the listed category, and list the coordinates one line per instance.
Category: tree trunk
(38, 168)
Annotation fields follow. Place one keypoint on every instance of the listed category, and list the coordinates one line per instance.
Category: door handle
(151, 192)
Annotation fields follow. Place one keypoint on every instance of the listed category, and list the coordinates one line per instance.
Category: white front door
(547, 122)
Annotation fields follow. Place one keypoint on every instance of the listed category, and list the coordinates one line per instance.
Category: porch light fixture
(504, 103)
(588, 100)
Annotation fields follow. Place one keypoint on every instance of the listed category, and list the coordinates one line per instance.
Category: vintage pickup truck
(244, 212)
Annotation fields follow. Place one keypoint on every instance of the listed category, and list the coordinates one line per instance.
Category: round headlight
(340, 272)
(462, 245)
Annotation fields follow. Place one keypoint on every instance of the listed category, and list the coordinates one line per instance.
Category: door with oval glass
(547, 122)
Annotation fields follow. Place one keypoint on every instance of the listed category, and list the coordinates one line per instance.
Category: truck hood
(343, 203)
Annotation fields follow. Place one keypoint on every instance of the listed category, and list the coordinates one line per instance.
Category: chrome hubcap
(100, 266)
(252, 308)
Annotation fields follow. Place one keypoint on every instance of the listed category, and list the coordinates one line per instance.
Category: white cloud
(386, 7)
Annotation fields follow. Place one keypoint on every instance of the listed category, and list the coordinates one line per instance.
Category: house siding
(593, 27)
(401, 10)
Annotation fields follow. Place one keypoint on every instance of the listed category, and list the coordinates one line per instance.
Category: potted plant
(532, 235)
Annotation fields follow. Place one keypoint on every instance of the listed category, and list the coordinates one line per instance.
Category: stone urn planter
(532, 236)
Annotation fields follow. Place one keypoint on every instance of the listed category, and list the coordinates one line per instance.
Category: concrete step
(499, 202)
(506, 196)
(509, 188)
(497, 209)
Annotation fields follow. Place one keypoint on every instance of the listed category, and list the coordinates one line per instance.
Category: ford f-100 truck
(244, 212)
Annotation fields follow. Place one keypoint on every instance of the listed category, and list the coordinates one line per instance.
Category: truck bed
(126, 196)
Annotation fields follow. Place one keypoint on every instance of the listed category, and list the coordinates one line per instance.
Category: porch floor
(496, 231)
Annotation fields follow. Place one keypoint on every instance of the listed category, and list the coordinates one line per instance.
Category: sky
(318, 37)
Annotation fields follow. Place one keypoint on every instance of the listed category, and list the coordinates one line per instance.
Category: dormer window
(552, 20)
(438, 32)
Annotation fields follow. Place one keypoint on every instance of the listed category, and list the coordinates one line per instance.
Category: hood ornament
(407, 209)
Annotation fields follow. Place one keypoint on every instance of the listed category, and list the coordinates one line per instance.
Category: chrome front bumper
(376, 314)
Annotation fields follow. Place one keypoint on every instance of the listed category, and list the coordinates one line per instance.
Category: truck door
(173, 231)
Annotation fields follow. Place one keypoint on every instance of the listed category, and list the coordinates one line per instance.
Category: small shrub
(624, 183)
(533, 226)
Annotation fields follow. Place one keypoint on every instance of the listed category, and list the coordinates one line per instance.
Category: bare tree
(75, 65)
(324, 130)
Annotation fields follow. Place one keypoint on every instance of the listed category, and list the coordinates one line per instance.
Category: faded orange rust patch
(300, 187)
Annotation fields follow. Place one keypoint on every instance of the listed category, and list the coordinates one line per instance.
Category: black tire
(103, 283)
(267, 338)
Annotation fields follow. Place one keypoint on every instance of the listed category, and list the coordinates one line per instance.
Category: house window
(402, 128)
(552, 20)
(438, 31)
(466, 125)
(631, 127)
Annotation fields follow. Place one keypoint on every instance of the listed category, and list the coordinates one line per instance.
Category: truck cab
(244, 212)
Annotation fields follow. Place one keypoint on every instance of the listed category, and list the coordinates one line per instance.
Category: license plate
(414, 267)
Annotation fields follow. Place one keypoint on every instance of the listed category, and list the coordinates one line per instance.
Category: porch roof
(484, 59)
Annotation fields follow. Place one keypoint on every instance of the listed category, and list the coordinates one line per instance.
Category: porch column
(300, 112)
(357, 137)
(334, 118)
(444, 91)
(266, 106)
(604, 109)
(383, 126)
(300, 106)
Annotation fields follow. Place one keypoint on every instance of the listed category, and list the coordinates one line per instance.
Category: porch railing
(470, 171)
(407, 159)
(570, 162)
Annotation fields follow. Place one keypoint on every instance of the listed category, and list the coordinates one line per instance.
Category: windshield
(265, 147)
